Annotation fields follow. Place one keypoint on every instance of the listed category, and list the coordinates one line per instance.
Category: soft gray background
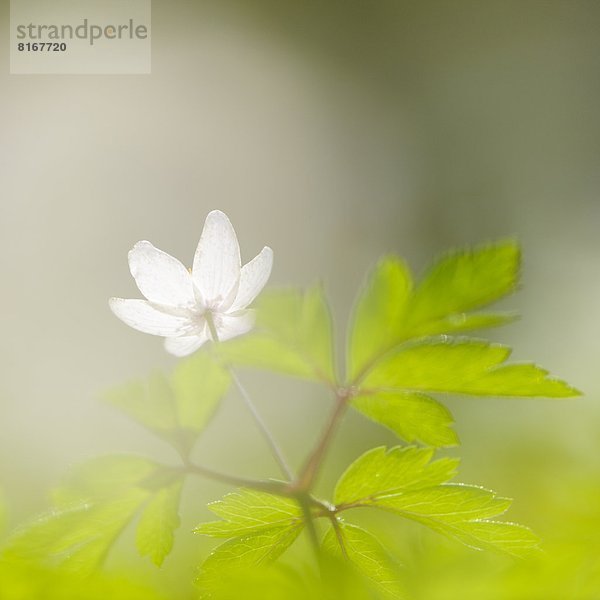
(333, 132)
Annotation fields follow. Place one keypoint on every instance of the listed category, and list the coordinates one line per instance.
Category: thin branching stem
(305, 502)
(262, 426)
(275, 449)
(338, 534)
(312, 466)
(279, 488)
(300, 487)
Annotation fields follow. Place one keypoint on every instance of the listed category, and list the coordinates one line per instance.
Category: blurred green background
(334, 131)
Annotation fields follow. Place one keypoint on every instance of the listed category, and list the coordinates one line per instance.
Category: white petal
(217, 262)
(231, 325)
(160, 277)
(182, 346)
(253, 278)
(145, 317)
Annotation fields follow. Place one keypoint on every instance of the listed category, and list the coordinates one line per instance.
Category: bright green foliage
(458, 323)
(176, 408)
(97, 501)
(410, 415)
(154, 536)
(367, 555)
(250, 551)
(464, 280)
(75, 538)
(380, 472)
(403, 481)
(391, 309)
(262, 527)
(399, 345)
(250, 511)
(104, 477)
(402, 347)
(464, 366)
(378, 316)
(293, 336)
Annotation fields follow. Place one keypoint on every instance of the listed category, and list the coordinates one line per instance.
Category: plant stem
(275, 449)
(305, 502)
(312, 466)
(338, 534)
(279, 488)
(298, 488)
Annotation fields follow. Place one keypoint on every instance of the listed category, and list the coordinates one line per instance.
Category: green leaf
(160, 518)
(460, 512)
(460, 322)
(447, 503)
(250, 511)
(391, 310)
(464, 280)
(399, 345)
(95, 503)
(240, 553)
(410, 415)
(198, 385)
(380, 471)
(262, 526)
(461, 365)
(176, 408)
(403, 481)
(510, 538)
(148, 402)
(293, 335)
(104, 477)
(378, 316)
(76, 538)
(368, 556)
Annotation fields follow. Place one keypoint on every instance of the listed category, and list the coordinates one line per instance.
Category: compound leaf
(148, 402)
(391, 309)
(378, 315)
(463, 280)
(381, 472)
(250, 511)
(94, 504)
(510, 538)
(241, 553)
(448, 503)
(399, 343)
(76, 538)
(176, 408)
(404, 481)
(261, 527)
(464, 366)
(367, 555)
(461, 322)
(104, 477)
(410, 415)
(198, 385)
(159, 520)
(293, 335)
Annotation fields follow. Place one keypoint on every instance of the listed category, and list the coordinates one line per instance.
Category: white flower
(185, 306)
